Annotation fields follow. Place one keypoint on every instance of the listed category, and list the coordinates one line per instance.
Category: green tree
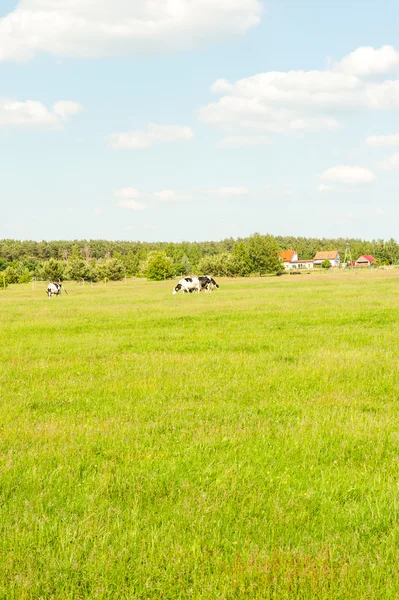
(263, 253)
(11, 275)
(96, 272)
(184, 266)
(25, 276)
(114, 269)
(77, 269)
(326, 264)
(242, 259)
(159, 266)
(53, 270)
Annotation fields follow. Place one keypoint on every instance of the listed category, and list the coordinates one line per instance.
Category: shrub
(158, 266)
(114, 269)
(53, 270)
(25, 276)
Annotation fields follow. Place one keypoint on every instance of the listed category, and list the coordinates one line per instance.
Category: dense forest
(98, 260)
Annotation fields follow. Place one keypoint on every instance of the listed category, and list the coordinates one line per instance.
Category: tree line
(101, 260)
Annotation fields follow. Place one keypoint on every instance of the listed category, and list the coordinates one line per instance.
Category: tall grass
(240, 444)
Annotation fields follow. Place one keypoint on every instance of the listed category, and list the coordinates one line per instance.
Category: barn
(366, 260)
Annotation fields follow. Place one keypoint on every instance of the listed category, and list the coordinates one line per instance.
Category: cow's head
(177, 288)
(213, 282)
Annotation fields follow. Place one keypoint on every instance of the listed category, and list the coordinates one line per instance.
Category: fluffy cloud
(128, 199)
(92, 28)
(32, 113)
(390, 164)
(369, 61)
(171, 196)
(348, 175)
(383, 140)
(152, 136)
(279, 101)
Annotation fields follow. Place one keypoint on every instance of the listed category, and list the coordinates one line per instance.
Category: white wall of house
(333, 262)
(288, 265)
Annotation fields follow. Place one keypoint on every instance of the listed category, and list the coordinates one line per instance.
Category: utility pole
(348, 254)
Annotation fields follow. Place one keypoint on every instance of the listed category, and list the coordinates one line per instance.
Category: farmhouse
(302, 264)
(366, 260)
(331, 255)
(287, 256)
(290, 260)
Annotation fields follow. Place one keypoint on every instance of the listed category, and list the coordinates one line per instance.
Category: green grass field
(240, 444)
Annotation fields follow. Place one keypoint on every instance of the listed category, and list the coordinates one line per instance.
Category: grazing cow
(54, 289)
(188, 285)
(207, 283)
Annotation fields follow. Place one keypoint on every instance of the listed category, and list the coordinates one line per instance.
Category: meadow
(239, 444)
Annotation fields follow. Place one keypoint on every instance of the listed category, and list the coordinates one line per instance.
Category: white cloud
(128, 199)
(230, 191)
(380, 212)
(33, 113)
(99, 210)
(383, 140)
(237, 141)
(390, 164)
(289, 101)
(369, 61)
(91, 28)
(348, 175)
(153, 135)
(171, 196)
(64, 109)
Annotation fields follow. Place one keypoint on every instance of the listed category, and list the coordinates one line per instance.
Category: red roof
(367, 257)
(286, 255)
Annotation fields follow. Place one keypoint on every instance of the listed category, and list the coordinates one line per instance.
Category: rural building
(302, 264)
(331, 255)
(366, 260)
(287, 257)
(291, 261)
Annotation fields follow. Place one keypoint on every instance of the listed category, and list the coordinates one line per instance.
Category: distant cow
(207, 283)
(54, 289)
(188, 285)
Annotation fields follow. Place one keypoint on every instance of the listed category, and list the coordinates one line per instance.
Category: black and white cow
(54, 289)
(188, 285)
(207, 283)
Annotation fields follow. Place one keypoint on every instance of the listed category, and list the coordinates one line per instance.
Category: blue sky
(198, 119)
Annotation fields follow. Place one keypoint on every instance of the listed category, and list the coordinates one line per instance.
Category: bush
(326, 264)
(158, 266)
(11, 275)
(77, 269)
(114, 269)
(53, 270)
(25, 276)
